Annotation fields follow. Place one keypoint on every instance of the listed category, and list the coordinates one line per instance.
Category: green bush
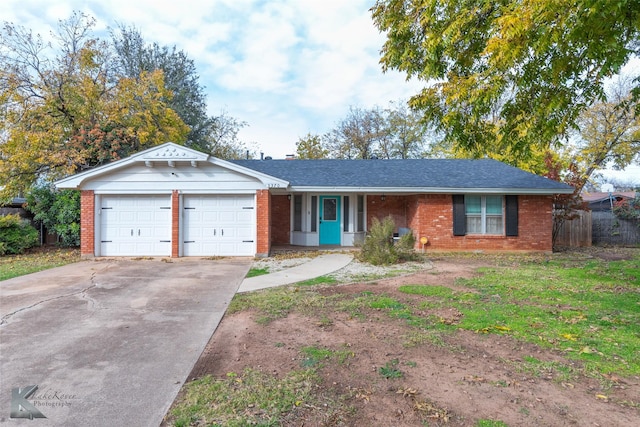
(378, 247)
(59, 211)
(16, 235)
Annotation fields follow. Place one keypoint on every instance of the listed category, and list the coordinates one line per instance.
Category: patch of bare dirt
(456, 382)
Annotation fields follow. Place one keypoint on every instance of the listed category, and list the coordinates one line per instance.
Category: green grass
(276, 303)
(390, 370)
(315, 356)
(253, 272)
(589, 310)
(490, 423)
(18, 265)
(249, 398)
(322, 280)
(559, 372)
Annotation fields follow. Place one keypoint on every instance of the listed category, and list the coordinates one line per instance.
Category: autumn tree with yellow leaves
(63, 109)
(506, 77)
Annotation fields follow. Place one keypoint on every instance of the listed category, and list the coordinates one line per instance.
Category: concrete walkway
(318, 266)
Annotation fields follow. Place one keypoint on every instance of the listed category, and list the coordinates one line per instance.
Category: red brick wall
(280, 220)
(396, 206)
(175, 224)
(431, 216)
(87, 223)
(263, 222)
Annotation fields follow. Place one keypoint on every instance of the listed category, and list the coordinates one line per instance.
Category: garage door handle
(222, 231)
(138, 232)
(132, 231)
(214, 231)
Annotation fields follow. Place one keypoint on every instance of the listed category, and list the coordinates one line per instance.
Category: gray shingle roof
(454, 174)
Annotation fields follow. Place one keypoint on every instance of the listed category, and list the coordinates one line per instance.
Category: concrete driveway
(108, 343)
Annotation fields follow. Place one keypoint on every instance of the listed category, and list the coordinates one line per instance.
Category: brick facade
(263, 223)
(280, 220)
(431, 216)
(175, 224)
(427, 215)
(396, 206)
(87, 223)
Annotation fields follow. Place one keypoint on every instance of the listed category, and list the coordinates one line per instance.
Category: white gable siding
(206, 177)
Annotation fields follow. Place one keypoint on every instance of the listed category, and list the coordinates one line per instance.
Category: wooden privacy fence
(576, 232)
(598, 228)
(608, 229)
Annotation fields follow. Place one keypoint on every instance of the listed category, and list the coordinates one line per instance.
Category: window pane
(329, 210)
(494, 224)
(474, 224)
(314, 213)
(297, 212)
(494, 205)
(360, 219)
(345, 201)
(472, 204)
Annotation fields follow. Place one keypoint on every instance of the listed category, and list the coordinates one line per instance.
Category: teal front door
(329, 220)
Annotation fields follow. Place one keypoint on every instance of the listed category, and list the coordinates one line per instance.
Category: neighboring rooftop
(605, 195)
(603, 201)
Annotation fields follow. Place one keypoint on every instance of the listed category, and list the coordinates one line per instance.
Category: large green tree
(134, 56)
(407, 134)
(609, 132)
(311, 147)
(507, 75)
(217, 135)
(357, 135)
(62, 109)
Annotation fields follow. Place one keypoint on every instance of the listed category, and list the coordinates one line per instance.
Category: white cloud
(287, 67)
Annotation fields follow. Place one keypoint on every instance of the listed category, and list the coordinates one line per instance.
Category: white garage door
(135, 226)
(219, 225)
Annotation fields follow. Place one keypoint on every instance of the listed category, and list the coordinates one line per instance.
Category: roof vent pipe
(261, 155)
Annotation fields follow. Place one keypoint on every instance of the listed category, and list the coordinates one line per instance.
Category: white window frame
(484, 215)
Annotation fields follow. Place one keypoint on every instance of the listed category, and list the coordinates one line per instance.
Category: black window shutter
(459, 216)
(511, 211)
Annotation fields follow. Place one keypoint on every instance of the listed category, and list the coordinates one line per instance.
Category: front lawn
(36, 260)
(479, 340)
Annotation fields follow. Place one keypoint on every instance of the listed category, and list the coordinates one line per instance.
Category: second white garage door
(219, 225)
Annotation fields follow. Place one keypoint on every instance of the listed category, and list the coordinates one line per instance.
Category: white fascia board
(268, 181)
(430, 190)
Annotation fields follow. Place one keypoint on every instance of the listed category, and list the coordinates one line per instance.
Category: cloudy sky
(285, 67)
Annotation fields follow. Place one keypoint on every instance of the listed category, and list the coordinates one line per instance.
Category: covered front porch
(325, 221)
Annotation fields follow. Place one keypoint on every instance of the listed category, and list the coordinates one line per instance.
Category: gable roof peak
(171, 151)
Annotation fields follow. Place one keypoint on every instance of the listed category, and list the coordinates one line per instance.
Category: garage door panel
(227, 217)
(244, 216)
(135, 225)
(209, 216)
(218, 225)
